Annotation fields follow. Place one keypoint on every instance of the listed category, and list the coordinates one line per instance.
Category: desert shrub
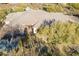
(7, 10)
(53, 8)
(75, 5)
(61, 32)
(61, 35)
(18, 9)
(4, 12)
(60, 38)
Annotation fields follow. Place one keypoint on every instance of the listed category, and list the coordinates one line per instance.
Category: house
(32, 19)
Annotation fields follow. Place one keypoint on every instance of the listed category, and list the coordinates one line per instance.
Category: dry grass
(62, 39)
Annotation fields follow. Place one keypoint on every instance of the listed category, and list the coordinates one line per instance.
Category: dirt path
(57, 16)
